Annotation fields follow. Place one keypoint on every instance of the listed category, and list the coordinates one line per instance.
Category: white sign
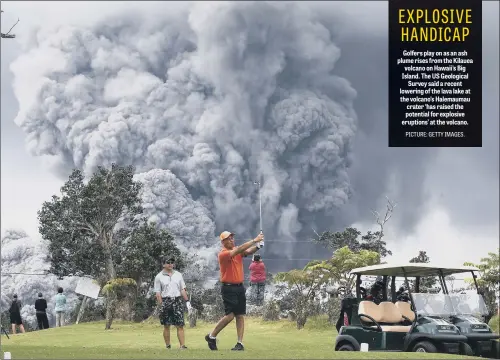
(88, 287)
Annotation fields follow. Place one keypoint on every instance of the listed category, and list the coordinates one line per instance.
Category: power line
(291, 242)
(19, 273)
(278, 259)
(209, 278)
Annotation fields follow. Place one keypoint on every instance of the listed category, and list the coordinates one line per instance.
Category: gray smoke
(203, 104)
(168, 202)
(23, 260)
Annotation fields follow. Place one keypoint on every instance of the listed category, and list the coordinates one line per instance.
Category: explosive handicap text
(423, 25)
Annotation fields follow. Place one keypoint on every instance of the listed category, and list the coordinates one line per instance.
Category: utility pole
(8, 35)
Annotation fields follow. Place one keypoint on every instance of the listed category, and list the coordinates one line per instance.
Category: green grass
(263, 340)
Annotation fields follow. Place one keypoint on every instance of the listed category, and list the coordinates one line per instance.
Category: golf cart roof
(411, 270)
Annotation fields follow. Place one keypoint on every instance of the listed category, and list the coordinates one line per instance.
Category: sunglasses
(169, 262)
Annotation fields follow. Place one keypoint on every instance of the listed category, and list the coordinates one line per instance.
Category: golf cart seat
(405, 310)
(385, 316)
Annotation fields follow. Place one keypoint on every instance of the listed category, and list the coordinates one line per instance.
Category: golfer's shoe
(183, 347)
(168, 346)
(238, 347)
(212, 343)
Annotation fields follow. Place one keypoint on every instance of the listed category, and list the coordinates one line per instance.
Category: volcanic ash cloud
(203, 104)
(23, 261)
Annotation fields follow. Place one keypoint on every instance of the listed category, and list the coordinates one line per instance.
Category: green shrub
(495, 323)
(332, 309)
(94, 311)
(144, 307)
(271, 311)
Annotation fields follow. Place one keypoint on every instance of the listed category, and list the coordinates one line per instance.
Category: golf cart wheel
(346, 347)
(465, 349)
(425, 346)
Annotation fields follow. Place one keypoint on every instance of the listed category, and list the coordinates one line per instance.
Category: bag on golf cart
(346, 307)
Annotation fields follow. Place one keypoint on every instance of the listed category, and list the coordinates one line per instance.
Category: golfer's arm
(158, 297)
(251, 251)
(157, 289)
(241, 249)
(184, 294)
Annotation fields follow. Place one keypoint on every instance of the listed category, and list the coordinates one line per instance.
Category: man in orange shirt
(232, 289)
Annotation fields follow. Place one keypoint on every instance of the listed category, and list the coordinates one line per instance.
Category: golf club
(260, 205)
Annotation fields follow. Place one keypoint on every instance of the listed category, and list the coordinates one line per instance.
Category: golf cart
(412, 321)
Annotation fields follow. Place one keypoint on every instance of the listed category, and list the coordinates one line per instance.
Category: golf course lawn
(263, 340)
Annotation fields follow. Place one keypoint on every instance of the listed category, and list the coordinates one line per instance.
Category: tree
(488, 280)
(338, 267)
(305, 283)
(140, 258)
(426, 283)
(116, 290)
(334, 241)
(350, 237)
(86, 225)
(373, 241)
(141, 255)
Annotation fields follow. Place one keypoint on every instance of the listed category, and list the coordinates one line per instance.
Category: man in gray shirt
(170, 288)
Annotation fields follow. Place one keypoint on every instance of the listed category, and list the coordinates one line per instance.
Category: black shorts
(234, 299)
(16, 319)
(172, 312)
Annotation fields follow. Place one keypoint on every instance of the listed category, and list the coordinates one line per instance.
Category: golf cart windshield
(449, 305)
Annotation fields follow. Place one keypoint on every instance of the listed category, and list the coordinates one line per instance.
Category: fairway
(263, 340)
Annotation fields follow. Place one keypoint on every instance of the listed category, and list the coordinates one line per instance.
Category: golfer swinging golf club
(232, 289)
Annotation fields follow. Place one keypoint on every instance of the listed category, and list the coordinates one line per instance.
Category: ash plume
(203, 104)
(23, 260)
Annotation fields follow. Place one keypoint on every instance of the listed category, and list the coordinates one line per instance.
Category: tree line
(97, 228)
(351, 250)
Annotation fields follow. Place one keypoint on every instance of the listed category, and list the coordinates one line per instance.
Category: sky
(448, 200)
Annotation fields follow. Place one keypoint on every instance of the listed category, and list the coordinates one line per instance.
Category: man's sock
(210, 336)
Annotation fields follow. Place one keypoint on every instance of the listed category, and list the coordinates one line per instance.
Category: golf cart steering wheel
(362, 292)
